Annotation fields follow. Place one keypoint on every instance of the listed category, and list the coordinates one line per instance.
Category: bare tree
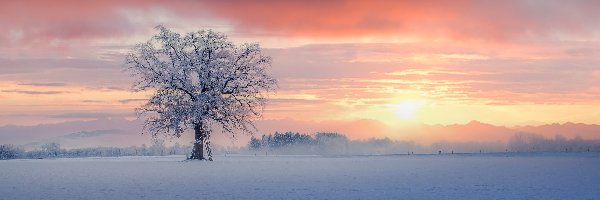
(200, 81)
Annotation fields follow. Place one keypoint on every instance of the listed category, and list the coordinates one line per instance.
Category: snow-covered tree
(254, 144)
(8, 151)
(199, 81)
(51, 149)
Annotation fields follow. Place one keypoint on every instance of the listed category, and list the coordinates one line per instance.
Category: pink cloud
(43, 21)
(487, 20)
(40, 22)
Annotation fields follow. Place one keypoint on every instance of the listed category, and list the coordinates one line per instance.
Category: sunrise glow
(407, 109)
(513, 63)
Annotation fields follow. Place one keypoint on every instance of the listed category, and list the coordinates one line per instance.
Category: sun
(407, 109)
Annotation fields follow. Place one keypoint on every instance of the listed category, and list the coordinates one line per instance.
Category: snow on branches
(199, 79)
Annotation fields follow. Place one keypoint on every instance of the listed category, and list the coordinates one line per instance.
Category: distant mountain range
(102, 132)
(122, 132)
(481, 132)
(109, 137)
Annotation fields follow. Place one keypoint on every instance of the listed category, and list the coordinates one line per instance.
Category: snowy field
(469, 176)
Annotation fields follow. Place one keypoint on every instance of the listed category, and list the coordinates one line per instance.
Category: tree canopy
(200, 80)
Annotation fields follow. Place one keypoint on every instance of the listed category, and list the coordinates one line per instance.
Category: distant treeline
(54, 150)
(528, 142)
(339, 144)
(327, 143)
(324, 143)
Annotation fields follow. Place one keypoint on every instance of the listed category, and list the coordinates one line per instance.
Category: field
(458, 176)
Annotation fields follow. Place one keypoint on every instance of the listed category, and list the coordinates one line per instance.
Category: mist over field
(100, 143)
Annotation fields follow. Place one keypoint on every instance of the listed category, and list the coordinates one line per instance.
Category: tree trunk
(198, 150)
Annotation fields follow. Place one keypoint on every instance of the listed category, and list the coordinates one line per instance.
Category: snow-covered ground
(470, 176)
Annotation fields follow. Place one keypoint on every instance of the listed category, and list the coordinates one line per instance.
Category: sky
(398, 63)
